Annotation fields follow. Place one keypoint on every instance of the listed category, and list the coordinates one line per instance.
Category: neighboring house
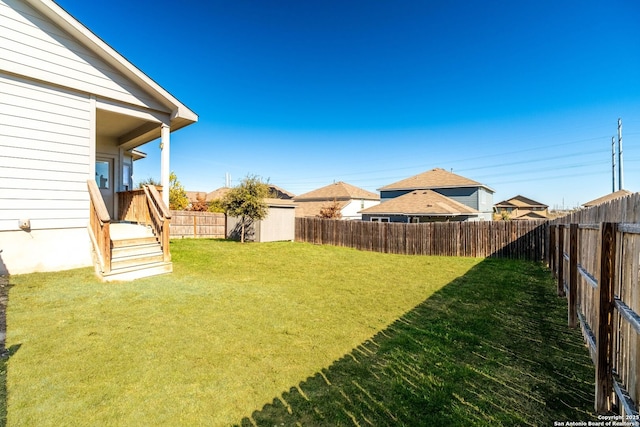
(350, 199)
(607, 198)
(72, 113)
(521, 208)
(472, 194)
(420, 206)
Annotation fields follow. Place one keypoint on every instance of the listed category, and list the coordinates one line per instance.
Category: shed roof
(421, 203)
(337, 191)
(432, 179)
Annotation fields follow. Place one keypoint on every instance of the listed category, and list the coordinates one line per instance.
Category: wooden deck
(136, 246)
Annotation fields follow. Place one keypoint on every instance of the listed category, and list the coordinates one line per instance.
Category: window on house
(103, 174)
(379, 219)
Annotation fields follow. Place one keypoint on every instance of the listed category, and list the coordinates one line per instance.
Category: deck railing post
(604, 337)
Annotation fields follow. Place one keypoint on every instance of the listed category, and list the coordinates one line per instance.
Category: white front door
(105, 181)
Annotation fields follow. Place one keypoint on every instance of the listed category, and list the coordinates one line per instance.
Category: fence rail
(502, 239)
(597, 270)
(191, 224)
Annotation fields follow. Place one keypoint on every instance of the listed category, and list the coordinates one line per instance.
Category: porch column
(165, 146)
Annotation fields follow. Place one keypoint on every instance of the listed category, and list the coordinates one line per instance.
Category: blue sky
(522, 96)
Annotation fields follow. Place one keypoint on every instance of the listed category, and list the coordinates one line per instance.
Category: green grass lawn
(287, 333)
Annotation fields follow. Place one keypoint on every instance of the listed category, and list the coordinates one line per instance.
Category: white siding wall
(350, 211)
(32, 46)
(45, 155)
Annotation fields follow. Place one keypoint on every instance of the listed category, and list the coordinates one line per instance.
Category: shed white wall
(32, 46)
(352, 209)
(279, 225)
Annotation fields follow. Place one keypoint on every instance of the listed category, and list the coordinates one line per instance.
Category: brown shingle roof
(526, 214)
(305, 209)
(435, 178)
(218, 193)
(193, 195)
(520, 202)
(337, 191)
(421, 202)
(609, 197)
(274, 191)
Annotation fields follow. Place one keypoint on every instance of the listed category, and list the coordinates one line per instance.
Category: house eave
(181, 115)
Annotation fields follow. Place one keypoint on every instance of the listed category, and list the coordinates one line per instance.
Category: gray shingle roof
(435, 178)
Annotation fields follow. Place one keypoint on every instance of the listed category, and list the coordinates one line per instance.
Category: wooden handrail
(99, 225)
(164, 210)
(160, 219)
(96, 200)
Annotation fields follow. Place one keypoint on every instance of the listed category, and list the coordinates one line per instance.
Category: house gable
(32, 45)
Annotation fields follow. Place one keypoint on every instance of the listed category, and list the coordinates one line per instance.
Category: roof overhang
(180, 115)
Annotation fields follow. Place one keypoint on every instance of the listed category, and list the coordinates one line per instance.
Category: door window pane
(102, 174)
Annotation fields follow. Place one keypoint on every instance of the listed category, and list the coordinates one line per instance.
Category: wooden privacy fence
(597, 266)
(503, 239)
(198, 225)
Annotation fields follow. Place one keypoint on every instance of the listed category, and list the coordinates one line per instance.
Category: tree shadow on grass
(491, 348)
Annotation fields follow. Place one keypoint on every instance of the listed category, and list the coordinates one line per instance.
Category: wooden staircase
(138, 245)
(135, 253)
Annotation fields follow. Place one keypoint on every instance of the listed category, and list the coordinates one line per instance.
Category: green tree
(177, 195)
(216, 205)
(246, 201)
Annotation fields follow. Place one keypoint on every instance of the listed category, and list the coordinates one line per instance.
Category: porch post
(165, 146)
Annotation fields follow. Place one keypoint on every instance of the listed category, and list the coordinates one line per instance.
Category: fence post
(573, 275)
(552, 248)
(604, 337)
(195, 226)
(561, 291)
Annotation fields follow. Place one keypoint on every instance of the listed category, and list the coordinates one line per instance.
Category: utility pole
(613, 164)
(620, 171)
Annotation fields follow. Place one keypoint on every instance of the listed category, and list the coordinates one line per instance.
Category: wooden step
(138, 249)
(118, 243)
(135, 260)
(135, 253)
(138, 271)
